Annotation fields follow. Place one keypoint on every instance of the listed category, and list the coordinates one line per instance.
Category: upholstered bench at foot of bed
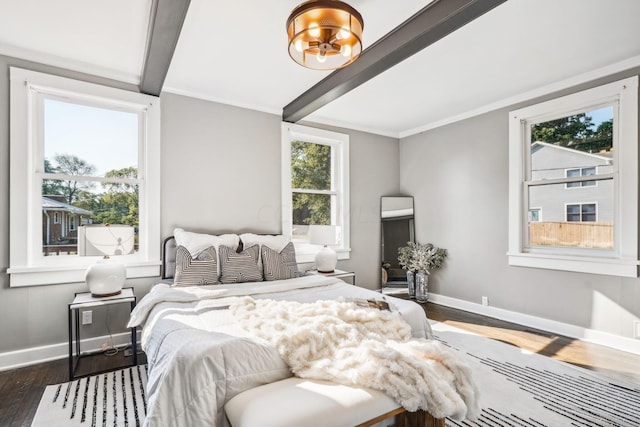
(296, 402)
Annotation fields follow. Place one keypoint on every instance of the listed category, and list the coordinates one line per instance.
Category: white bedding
(199, 357)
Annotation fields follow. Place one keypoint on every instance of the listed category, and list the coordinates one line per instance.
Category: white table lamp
(326, 259)
(107, 276)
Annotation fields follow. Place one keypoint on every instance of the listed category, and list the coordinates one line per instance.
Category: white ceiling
(224, 56)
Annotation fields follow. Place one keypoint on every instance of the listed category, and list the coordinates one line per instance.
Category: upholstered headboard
(169, 248)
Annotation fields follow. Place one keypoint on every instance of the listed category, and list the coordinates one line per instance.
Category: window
(315, 187)
(572, 173)
(82, 154)
(535, 215)
(582, 212)
(576, 158)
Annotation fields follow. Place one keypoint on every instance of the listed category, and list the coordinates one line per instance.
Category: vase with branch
(420, 260)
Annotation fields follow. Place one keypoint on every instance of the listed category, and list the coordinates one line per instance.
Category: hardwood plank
(615, 363)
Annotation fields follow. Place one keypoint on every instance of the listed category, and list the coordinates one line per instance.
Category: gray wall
(458, 175)
(220, 171)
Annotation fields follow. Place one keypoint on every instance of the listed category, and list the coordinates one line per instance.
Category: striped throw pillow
(279, 265)
(238, 267)
(202, 270)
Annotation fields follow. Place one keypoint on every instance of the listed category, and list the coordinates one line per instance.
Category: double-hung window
(81, 154)
(576, 159)
(315, 188)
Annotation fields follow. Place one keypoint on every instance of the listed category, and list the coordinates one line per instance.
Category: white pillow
(195, 243)
(276, 242)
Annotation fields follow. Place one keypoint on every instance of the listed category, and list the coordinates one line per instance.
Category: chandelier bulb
(301, 45)
(321, 57)
(314, 30)
(345, 50)
(344, 33)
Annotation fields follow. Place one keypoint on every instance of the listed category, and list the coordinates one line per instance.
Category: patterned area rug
(524, 389)
(111, 399)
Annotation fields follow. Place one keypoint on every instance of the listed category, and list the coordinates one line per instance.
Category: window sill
(606, 266)
(303, 257)
(36, 276)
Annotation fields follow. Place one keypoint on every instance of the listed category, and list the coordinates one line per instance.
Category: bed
(200, 356)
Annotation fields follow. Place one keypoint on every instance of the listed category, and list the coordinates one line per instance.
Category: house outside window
(576, 158)
(82, 154)
(315, 187)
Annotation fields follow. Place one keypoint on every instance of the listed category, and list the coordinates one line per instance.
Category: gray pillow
(279, 266)
(202, 270)
(238, 267)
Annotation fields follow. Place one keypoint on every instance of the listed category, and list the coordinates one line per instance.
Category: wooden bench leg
(419, 419)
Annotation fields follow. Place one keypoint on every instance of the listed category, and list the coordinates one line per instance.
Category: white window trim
(624, 262)
(26, 266)
(305, 252)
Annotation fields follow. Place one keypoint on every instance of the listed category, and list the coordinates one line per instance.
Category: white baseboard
(597, 337)
(30, 356)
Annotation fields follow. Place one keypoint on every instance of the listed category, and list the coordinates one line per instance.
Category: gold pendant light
(324, 34)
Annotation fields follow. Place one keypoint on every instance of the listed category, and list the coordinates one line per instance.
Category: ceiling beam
(432, 23)
(167, 17)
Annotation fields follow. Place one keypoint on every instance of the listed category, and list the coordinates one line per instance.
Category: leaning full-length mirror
(396, 214)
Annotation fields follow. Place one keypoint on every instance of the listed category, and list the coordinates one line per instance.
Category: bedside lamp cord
(113, 350)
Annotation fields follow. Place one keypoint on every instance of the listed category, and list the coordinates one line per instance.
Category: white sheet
(199, 357)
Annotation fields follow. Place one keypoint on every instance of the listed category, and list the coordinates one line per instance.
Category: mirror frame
(399, 212)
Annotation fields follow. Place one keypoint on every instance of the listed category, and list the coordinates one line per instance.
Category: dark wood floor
(21, 389)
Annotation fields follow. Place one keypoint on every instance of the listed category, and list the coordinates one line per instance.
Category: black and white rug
(524, 389)
(517, 389)
(111, 399)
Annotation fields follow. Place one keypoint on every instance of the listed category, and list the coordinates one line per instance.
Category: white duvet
(199, 357)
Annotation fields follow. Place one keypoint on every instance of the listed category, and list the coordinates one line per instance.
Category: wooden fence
(576, 234)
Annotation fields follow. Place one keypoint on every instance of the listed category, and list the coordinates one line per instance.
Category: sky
(600, 115)
(107, 139)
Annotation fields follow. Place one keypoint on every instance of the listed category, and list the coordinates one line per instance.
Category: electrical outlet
(485, 300)
(87, 317)
(636, 329)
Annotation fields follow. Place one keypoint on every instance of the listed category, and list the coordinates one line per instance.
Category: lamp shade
(326, 258)
(107, 276)
(324, 34)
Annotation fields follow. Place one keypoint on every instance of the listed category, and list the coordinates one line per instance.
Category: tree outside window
(311, 183)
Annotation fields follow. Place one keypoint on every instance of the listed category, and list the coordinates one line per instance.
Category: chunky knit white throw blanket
(341, 342)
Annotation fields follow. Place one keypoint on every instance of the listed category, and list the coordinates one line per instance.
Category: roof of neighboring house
(606, 156)
(49, 204)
